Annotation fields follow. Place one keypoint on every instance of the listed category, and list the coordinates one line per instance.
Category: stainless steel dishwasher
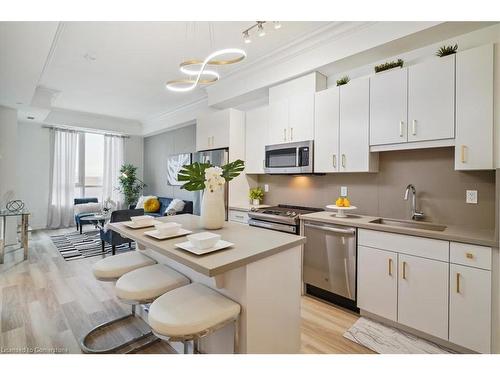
(329, 265)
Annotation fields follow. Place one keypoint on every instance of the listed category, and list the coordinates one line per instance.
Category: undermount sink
(409, 224)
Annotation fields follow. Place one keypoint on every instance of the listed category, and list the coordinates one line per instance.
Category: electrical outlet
(266, 188)
(471, 196)
(343, 191)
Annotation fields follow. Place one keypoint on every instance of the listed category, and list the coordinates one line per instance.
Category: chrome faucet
(415, 215)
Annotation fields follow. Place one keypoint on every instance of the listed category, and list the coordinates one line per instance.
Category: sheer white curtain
(113, 161)
(62, 187)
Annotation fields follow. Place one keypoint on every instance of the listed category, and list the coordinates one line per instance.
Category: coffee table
(94, 219)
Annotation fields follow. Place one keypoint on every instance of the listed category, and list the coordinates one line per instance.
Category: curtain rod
(85, 130)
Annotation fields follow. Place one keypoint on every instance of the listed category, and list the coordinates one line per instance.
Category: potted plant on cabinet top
(447, 50)
(211, 179)
(389, 65)
(343, 80)
(256, 195)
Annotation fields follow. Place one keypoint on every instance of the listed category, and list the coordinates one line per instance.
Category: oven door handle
(331, 229)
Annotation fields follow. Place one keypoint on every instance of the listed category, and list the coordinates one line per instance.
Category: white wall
(134, 153)
(8, 135)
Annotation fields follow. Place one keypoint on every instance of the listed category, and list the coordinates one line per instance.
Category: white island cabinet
(261, 271)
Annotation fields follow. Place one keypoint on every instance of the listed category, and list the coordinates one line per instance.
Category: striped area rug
(77, 246)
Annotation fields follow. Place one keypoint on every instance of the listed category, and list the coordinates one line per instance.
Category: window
(89, 165)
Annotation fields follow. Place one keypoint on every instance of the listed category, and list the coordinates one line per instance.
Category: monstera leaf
(232, 170)
(194, 174)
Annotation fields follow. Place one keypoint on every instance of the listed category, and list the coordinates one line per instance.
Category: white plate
(188, 246)
(158, 236)
(139, 225)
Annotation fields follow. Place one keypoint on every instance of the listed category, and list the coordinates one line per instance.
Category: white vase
(256, 202)
(213, 212)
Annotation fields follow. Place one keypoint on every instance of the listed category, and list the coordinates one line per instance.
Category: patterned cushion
(152, 205)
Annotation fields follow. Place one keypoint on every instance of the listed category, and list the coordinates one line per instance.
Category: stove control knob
(294, 213)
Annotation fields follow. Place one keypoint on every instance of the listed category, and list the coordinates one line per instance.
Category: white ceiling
(133, 60)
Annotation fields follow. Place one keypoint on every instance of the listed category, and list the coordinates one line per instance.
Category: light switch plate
(266, 188)
(471, 196)
(343, 191)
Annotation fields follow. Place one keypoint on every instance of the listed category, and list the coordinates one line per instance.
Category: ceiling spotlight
(261, 30)
(277, 25)
(246, 37)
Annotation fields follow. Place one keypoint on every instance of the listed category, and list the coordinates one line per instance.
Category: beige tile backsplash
(440, 189)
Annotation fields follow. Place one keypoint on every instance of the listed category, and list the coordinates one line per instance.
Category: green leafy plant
(256, 193)
(194, 174)
(130, 185)
(343, 80)
(447, 50)
(388, 65)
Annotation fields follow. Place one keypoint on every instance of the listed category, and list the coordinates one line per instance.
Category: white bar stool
(191, 312)
(140, 281)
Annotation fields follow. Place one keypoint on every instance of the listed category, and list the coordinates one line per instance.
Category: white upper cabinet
(256, 139)
(423, 295)
(354, 135)
(291, 109)
(431, 99)
(278, 122)
(388, 107)
(326, 131)
(212, 130)
(474, 123)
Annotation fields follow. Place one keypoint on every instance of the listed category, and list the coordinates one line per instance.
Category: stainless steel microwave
(289, 158)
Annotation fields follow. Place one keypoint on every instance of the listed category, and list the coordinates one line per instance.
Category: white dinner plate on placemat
(139, 225)
(158, 236)
(188, 246)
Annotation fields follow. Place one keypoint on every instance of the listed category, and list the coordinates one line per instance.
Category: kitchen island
(261, 271)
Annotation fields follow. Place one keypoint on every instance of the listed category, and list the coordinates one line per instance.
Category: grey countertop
(451, 233)
(250, 244)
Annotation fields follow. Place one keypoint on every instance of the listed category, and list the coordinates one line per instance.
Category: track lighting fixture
(259, 25)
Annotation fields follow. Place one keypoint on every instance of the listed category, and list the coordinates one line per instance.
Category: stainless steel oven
(289, 158)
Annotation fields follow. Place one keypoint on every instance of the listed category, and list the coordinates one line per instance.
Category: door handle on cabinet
(458, 282)
(404, 270)
(390, 266)
(291, 134)
(284, 134)
(401, 124)
(334, 160)
(343, 160)
(213, 140)
(414, 127)
(469, 255)
(462, 153)
(208, 141)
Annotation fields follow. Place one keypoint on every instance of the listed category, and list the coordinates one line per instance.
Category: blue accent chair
(113, 238)
(83, 214)
(164, 202)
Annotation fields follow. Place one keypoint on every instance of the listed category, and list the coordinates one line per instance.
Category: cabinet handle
(404, 270)
(414, 127)
(401, 124)
(213, 140)
(390, 266)
(291, 134)
(469, 255)
(462, 153)
(458, 282)
(208, 141)
(343, 160)
(284, 134)
(334, 160)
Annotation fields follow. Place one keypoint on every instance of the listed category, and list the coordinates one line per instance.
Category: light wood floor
(47, 304)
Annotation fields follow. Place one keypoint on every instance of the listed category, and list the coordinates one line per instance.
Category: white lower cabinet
(423, 295)
(238, 216)
(470, 307)
(378, 281)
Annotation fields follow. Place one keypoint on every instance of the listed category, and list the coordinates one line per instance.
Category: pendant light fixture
(197, 71)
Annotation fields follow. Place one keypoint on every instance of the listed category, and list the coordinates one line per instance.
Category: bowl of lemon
(342, 204)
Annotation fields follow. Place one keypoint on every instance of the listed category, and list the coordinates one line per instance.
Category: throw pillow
(151, 205)
(176, 205)
(87, 207)
(142, 199)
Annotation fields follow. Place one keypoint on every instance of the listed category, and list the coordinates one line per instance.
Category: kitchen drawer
(470, 255)
(238, 216)
(417, 246)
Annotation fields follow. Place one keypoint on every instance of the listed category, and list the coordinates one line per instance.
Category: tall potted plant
(211, 179)
(130, 185)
